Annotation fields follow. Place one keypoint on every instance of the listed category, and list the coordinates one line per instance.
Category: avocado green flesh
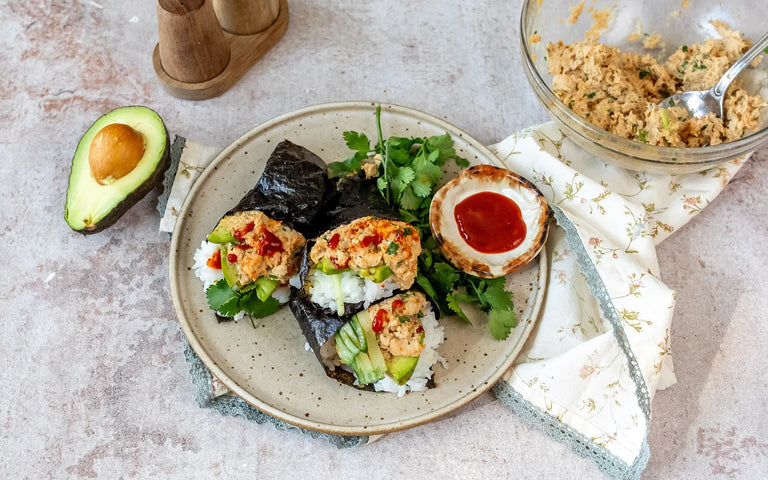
(376, 274)
(91, 207)
(369, 367)
(264, 288)
(401, 368)
(228, 269)
(327, 267)
(221, 233)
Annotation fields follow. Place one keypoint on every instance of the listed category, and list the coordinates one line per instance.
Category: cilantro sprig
(409, 173)
(450, 288)
(228, 302)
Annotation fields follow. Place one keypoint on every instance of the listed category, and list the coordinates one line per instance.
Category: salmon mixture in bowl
(619, 91)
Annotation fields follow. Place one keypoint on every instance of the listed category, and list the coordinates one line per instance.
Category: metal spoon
(699, 103)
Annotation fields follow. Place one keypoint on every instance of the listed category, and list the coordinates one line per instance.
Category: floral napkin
(601, 347)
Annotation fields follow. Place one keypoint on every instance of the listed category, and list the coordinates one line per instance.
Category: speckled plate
(269, 366)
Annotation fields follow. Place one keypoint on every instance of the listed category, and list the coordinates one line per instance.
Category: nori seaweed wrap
(365, 254)
(254, 252)
(291, 189)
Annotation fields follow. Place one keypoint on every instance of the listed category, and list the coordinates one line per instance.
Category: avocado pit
(122, 156)
(115, 151)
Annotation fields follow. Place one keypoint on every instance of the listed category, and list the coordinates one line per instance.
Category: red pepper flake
(242, 246)
(379, 320)
(215, 261)
(334, 241)
(240, 234)
(268, 243)
(232, 257)
(374, 239)
(397, 305)
(419, 329)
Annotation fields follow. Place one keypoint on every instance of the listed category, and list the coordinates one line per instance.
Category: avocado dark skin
(85, 211)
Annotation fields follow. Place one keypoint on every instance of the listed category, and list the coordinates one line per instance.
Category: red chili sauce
(490, 222)
(215, 261)
(268, 244)
(379, 320)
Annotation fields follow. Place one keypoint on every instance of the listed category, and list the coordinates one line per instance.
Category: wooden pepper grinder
(205, 46)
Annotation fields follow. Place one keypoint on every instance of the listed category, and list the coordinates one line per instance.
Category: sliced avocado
(401, 368)
(264, 288)
(118, 160)
(221, 233)
(229, 269)
(374, 356)
(350, 342)
(345, 349)
(327, 267)
(376, 274)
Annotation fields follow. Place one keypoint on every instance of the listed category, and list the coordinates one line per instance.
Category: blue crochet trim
(579, 443)
(234, 406)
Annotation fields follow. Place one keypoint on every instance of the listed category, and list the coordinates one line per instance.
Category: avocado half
(110, 169)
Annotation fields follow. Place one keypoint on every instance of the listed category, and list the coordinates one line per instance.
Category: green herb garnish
(409, 173)
(228, 302)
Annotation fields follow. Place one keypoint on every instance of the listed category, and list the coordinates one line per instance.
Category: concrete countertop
(94, 383)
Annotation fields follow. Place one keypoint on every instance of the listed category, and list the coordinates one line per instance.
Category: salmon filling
(264, 248)
(370, 242)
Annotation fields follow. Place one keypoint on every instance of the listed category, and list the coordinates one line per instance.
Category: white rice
(205, 273)
(322, 289)
(209, 275)
(282, 294)
(433, 337)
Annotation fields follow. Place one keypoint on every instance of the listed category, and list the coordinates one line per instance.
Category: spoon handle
(719, 89)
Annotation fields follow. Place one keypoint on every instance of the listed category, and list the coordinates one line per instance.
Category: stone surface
(94, 383)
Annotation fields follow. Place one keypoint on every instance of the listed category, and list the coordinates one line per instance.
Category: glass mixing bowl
(680, 22)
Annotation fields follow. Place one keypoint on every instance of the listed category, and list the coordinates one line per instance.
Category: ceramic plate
(268, 366)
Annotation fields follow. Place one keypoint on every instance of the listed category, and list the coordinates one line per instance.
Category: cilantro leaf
(230, 308)
(495, 295)
(429, 289)
(501, 323)
(422, 187)
(339, 169)
(409, 201)
(404, 214)
(444, 145)
(383, 186)
(406, 175)
(220, 294)
(393, 248)
(426, 171)
(445, 275)
(255, 308)
(228, 302)
(461, 161)
(453, 304)
(357, 141)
